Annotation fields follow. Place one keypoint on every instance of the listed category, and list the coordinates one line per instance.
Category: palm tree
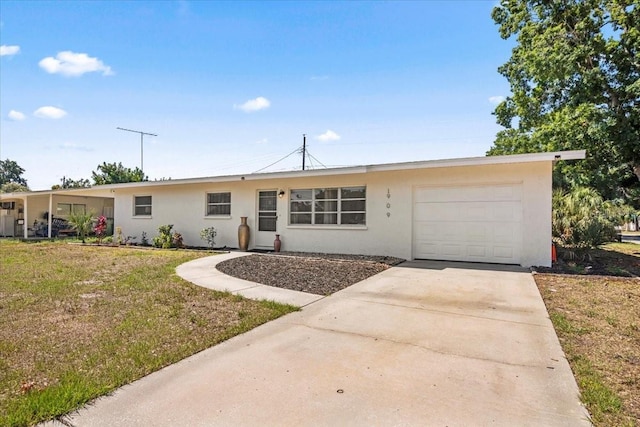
(81, 222)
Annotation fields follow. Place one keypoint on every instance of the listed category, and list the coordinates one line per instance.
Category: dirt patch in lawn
(318, 274)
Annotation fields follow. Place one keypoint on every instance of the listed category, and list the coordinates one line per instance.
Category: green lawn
(76, 322)
(597, 319)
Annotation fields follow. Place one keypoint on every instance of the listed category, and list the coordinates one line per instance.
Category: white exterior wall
(184, 207)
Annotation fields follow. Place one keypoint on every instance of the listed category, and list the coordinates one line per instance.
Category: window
(218, 204)
(64, 209)
(328, 206)
(142, 205)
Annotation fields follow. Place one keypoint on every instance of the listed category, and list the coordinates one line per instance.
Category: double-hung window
(328, 206)
(219, 204)
(142, 206)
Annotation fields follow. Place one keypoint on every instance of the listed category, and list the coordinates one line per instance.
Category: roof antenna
(304, 148)
(142, 134)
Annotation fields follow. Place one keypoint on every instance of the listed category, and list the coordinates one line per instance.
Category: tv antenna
(142, 134)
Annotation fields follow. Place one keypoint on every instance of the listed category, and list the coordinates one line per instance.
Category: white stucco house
(485, 209)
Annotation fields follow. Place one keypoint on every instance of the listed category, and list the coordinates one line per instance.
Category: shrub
(582, 220)
(209, 235)
(81, 222)
(167, 238)
(101, 228)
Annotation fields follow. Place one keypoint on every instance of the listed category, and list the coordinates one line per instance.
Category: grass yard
(597, 319)
(76, 322)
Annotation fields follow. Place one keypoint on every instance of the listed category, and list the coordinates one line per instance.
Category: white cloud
(16, 115)
(49, 112)
(262, 141)
(9, 50)
(495, 100)
(252, 105)
(73, 64)
(329, 135)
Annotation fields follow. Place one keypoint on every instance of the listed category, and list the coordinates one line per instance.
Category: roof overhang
(107, 190)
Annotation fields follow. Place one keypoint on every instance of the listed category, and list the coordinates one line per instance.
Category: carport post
(50, 213)
(25, 227)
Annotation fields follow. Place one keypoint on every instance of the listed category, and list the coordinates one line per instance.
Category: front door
(267, 218)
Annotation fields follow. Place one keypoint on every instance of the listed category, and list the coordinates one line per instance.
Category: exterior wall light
(281, 194)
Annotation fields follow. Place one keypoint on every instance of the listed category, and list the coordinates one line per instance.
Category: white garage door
(470, 223)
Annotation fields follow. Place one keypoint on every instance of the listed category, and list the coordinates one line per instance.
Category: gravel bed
(319, 274)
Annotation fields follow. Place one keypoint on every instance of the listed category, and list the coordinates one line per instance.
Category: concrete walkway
(203, 273)
(425, 343)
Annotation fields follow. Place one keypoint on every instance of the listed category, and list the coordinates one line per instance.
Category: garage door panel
(503, 252)
(468, 194)
(475, 223)
(477, 251)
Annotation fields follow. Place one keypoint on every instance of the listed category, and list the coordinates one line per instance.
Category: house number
(388, 204)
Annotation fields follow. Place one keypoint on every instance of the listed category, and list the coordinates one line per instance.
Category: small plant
(166, 238)
(144, 241)
(129, 240)
(176, 240)
(81, 222)
(101, 228)
(209, 235)
(119, 237)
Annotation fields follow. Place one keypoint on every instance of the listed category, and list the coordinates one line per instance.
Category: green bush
(582, 220)
(167, 238)
(209, 236)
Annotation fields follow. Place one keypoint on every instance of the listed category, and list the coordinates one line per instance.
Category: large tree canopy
(575, 84)
(112, 173)
(11, 172)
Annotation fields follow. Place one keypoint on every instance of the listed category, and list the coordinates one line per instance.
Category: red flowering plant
(101, 228)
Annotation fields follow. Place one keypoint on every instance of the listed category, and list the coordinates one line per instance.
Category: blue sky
(230, 87)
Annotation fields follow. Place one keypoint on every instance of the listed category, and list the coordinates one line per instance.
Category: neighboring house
(486, 209)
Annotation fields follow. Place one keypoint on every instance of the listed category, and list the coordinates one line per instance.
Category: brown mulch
(320, 274)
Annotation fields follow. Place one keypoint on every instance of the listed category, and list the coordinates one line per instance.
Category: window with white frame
(65, 209)
(142, 205)
(219, 204)
(328, 206)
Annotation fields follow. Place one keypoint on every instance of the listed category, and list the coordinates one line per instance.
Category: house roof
(104, 190)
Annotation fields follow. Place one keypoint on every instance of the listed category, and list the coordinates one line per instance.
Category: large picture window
(65, 209)
(218, 204)
(328, 206)
(142, 206)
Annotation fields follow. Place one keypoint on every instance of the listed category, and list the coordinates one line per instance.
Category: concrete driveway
(425, 343)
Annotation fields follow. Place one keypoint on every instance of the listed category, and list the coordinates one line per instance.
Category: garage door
(470, 223)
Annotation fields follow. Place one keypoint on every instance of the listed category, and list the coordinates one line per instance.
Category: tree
(10, 171)
(13, 187)
(112, 173)
(81, 222)
(575, 82)
(72, 183)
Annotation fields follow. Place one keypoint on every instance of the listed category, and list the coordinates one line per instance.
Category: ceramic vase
(277, 244)
(243, 234)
